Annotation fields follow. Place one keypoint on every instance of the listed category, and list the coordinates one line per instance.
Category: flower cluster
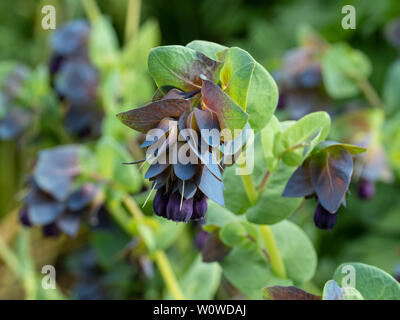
(14, 119)
(75, 79)
(53, 202)
(300, 80)
(187, 166)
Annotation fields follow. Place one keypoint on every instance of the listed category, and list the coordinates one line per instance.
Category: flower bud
(160, 203)
(199, 208)
(323, 219)
(366, 189)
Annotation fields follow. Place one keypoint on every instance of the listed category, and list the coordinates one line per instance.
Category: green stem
(275, 258)
(92, 10)
(277, 264)
(369, 92)
(168, 275)
(160, 257)
(132, 19)
(8, 257)
(248, 182)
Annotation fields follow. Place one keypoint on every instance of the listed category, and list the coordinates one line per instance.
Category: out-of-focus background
(44, 77)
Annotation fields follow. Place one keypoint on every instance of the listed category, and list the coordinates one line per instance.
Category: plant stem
(9, 257)
(132, 19)
(276, 260)
(168, 275)
(263, 181)
(160, 257)
(248, 182)
(369, 92)
(251, 191)
(91, 9)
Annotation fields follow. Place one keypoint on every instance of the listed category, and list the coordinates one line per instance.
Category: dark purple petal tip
(323, 219)
(366, 189)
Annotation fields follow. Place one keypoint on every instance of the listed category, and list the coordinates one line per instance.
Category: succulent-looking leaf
(188, 188)
(287, 293)
(297, 141)
(272, 207)
(181, 67)
(341, 65)
(230, 115)
(330, 172)
(299, 184)
(332, 291)
(206, 47)
(81, 198)
(371, 282)
(352, 149)
(147, 117)
(250, 85)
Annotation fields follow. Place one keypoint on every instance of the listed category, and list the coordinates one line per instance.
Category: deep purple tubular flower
(323, 219)
(52, 202)
(366, 189)
(326, 175)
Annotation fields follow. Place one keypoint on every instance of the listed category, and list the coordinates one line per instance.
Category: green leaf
(229, 114)
(297, 251)
(242, 234)
(332, 291)
(111, 156)
(136, 51)
(298, 140)
(372, 282)
(103, 44)
(180, 67)
(341, 66)
(272, 207)
(218, 216)
(391, 92)
(352, 149)
(249, 271)
(166, 233)
(268, 141)
(201, 281)
(287, 293)
(250, 85)
(206, 47)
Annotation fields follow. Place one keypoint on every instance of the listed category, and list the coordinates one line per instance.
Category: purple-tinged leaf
(185, 171)
(214, 249)
(230, 115)
(155, 169)
(299, 184)
(181, 67)
(208, 121)
(81, 198)
(330, 172)
(210, 186)
(287, 293)
(55, 170)
(69, 223)
(352, 149)
(42, 209)
(147, 117)
(189, 188)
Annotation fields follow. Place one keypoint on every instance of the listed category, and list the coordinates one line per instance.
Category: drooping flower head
(325, 174)
(193, 130)
(53, 202)
(75, 79)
